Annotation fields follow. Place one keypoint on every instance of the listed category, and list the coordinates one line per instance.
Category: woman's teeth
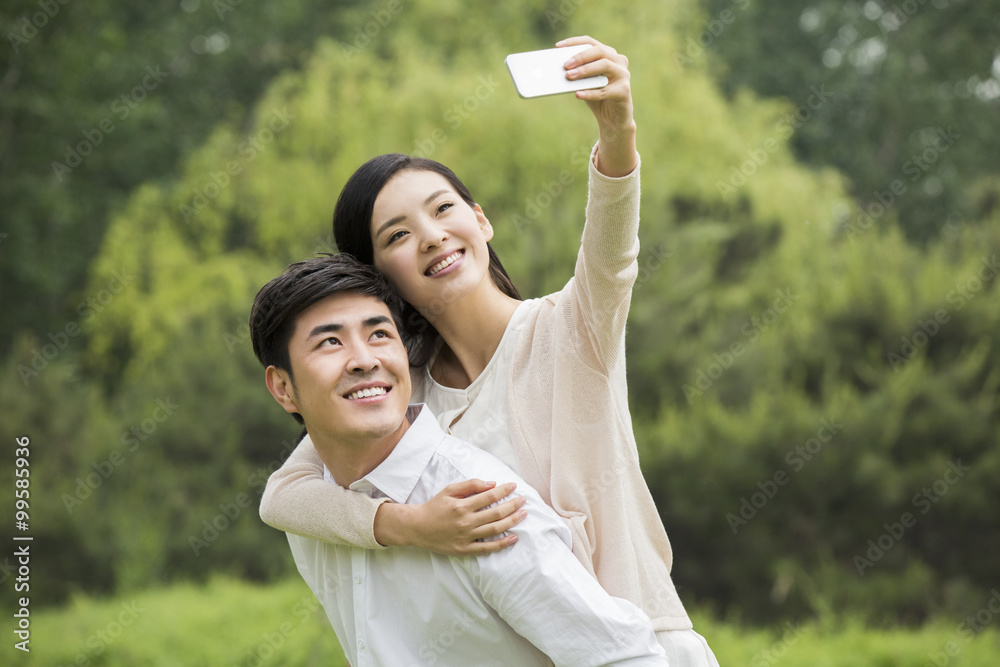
(447, 261)
(367, 393)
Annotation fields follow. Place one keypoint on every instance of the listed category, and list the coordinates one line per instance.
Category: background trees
(809, 363)
(895, 73)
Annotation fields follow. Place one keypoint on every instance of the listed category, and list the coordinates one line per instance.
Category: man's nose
(364, 360)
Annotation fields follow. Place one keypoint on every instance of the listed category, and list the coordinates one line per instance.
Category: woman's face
(429, 242)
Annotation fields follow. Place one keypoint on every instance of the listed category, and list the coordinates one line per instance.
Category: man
(327, 332)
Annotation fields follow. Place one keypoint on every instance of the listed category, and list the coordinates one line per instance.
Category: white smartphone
(539, 73)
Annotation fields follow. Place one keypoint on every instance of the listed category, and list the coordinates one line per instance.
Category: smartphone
(539, 73)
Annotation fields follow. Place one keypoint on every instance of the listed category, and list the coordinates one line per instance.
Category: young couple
(415, 559)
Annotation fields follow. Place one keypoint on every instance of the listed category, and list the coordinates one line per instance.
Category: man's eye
(380, 334)
(331, 340)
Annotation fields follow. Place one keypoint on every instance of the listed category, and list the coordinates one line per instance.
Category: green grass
(230, 623)
(225, 623)
(849, 643)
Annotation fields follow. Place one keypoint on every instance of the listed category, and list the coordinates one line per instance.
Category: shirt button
(361, 645)
(357, 580)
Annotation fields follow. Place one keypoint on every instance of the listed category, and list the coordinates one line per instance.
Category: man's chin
(378, 427)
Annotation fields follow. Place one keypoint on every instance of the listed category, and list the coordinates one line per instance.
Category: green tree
(98, 98)
(893, 75)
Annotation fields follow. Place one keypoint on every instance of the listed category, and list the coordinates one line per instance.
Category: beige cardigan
(568, 398)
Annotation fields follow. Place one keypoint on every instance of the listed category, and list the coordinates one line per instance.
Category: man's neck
(348, 460)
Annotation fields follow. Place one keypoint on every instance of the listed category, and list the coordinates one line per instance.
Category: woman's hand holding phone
(611, 105)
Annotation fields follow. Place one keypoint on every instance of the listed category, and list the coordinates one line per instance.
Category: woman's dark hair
(352, 221)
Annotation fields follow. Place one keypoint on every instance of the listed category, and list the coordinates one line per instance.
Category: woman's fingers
(595, 54)
(486, 498)
(467, 488)
(597, 51)
(610, 68)
(483, 548)
(497, 513)
(500, 519)
(512, 515)
(576, 40)
(608, 92)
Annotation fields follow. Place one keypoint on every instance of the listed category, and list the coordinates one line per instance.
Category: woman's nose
(433, 237)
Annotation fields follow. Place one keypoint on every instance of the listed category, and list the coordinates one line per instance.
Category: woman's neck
(472, 328)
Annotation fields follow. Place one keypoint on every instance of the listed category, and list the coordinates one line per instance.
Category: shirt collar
(397, 475)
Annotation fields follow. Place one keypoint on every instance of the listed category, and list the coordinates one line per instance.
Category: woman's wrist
(391, 523)
(616, 151)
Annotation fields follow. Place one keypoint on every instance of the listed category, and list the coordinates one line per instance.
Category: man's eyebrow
(325, 328)
(376, 320)
(399, 218)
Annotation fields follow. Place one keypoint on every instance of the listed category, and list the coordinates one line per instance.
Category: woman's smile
(440, 267)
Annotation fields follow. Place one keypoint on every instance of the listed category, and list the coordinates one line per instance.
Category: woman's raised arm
(596, 302)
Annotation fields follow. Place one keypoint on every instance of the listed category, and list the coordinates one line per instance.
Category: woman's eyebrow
(389, 223)
(435, 195)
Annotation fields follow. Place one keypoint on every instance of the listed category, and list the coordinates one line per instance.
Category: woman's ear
(484, 223)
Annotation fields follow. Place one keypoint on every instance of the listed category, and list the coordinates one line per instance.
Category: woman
(539, 383)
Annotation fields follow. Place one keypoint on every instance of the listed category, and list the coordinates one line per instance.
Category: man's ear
(484, 223)
(279, 383)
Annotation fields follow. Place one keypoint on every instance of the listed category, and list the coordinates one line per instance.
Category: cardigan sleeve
(606, 268)
(298, 500)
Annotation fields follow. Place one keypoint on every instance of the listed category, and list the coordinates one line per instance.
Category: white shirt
(478, 413)
(404, 606)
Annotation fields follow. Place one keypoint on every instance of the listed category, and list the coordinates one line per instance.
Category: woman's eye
(444, 206)
(395, 236)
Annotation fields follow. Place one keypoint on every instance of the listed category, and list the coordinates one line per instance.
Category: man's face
(351, 373)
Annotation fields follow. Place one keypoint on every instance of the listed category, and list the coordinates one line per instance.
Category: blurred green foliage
(892, 73)
(98, 97)
(799, 372)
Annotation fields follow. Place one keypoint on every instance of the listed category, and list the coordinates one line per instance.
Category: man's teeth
(447, 261)
(367, 393)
